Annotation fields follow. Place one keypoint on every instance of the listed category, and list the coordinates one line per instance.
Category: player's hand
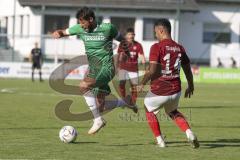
(140, 88)
(189, 92)
(57, 34)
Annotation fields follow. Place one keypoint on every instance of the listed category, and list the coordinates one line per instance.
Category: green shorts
(102, 76)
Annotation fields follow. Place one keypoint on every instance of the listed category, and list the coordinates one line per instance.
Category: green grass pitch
(29, 128)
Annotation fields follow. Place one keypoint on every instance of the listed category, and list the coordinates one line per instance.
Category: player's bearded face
(85, 24)
(130, 37)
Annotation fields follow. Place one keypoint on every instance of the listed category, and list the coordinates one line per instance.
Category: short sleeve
(154, 53)
(74, 30)
(184, 58)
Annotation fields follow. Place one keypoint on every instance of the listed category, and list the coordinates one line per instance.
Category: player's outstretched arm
(189, 76)
(59, 34)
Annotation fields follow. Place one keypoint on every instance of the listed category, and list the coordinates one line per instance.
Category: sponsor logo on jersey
(95, 38)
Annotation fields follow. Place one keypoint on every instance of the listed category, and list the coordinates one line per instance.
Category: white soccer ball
(68, 134)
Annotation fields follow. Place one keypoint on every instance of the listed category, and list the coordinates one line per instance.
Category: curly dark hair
(85, 13)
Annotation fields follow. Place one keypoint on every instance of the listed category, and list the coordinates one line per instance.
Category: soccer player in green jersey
(98, 46)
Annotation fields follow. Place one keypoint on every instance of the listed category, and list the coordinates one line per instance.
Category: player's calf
(179, 119)
(155, 127)
(184, 126)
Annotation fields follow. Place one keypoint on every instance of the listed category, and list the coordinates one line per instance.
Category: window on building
(21, 25)
(148, 29)
(53, 22)
(216, 33)
(3, 24)
(122, 23)
(3, 32)
(28, 25)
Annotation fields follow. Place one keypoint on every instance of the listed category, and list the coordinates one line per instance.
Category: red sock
(179, 120)
(153, 123)
(122, 90)
(134, 95)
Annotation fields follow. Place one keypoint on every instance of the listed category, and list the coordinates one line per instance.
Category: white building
(204, 26)
(213, 32)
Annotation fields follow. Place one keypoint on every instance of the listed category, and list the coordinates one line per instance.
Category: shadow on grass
(124, 145)
(84, 142)
(210, 144)
(221, 143)
(203, 144)
(209, 107)
(218, 126)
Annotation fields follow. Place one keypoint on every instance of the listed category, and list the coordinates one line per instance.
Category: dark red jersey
(170, 55)
(131, 64)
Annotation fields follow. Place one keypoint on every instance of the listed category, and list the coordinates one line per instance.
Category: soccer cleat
(161, 144)
(194, 143)
(192, 139)
(130, 105)
(97, 125)
(160, 141)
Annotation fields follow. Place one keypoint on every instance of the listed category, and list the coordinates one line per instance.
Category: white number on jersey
(177, 63)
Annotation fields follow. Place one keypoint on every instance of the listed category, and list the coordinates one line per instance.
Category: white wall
(191, 28)
(31, 26)
(25, 44)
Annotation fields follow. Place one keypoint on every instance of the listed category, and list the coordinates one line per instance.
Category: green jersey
(98, 46)
(98, 43)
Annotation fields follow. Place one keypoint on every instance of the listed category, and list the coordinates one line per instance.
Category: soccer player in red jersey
(128, 68)
(166, 58)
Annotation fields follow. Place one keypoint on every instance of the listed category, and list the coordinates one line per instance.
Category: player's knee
(174, 114)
